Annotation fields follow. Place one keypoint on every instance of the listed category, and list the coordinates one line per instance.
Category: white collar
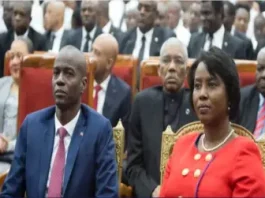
(104, 84)
(106, 28)
(59, 33)
(147, 35)
(219, 33)
(25, 35)
(91, 33)
(69, 127)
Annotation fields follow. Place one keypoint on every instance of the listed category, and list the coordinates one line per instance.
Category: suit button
(197, 156)
(185, 171)
(208, 157)
(197, 173)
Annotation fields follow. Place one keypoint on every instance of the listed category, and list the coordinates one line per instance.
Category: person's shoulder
(245, 146)
(165, 32)
(187, 139)
(247, 91)
(42, 114)
(122, 85)
(149, 93)
(5, 79)
(93, 116)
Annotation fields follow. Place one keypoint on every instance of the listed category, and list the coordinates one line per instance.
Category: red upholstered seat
(150, 81)
(124, 73)
(36, 91)
(247, 79)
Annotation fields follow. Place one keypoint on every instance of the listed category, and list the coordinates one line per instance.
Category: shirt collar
(219, 33)
(104, 84)
(69, 127)
(25, 35)
(106, 28)
(91, 33)
(148, 35)
(261, 100)
(59, 33)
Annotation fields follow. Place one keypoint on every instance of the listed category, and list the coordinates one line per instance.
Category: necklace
(218, 145)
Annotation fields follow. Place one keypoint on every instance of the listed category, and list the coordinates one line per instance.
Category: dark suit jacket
(160, 35)
(118, 103)
(249, 106)
(90, 169)
(118, 34)
(66, 34)
(6, 39)
(231, 45)
(248, 44)
(75, 37)
(145, 136)
(260, 45)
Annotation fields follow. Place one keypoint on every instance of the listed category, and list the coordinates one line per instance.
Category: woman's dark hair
(218, 63)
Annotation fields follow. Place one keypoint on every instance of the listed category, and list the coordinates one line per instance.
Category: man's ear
(83, 84)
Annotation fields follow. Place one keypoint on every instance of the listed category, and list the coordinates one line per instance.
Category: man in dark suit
(105, 23)
(145, 40)
(214, 33)
(259, 30)
(229, 18)
(252, 100)
(153, 110)
(53, 23)
(112, 96)
(66, 150)
(21, 19)
(84, 37)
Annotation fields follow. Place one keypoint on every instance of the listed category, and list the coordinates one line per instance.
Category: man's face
(21, 19)
(148, 13)
(7, 15)
(131, 19)
(210, 19)
(172, 68)
(88, 13)
(17, 51)
(68, 82)
(228, 18)
(195, 14)
(241, 20)
(259, 28)
(50, 18)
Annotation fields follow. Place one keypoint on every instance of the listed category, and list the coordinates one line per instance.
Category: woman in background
(216, 163)
(9, 86)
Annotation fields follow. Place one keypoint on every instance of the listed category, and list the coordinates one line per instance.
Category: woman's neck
(214, 133)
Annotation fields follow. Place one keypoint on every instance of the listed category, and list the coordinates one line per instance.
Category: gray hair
(28, 43)
(176, 42)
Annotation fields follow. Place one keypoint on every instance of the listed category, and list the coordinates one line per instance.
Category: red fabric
(150, 81)
(56, 179)
(125, 73)
(235, 170)
(260, 122)
(36, 91)
(247, 79)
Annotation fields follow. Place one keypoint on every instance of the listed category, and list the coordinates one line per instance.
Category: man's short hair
(28, 42)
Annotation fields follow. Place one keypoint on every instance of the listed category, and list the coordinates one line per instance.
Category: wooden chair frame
(169, 138)
(3, 177)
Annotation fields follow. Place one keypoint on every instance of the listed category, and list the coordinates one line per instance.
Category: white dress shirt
(101, 94)
(218, 38)
(69, 127)
(182, 33)
(57, 40)
(91, 34)
(138, 43)
(106, 28)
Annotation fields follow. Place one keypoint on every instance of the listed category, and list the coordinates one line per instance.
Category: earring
(228, 108)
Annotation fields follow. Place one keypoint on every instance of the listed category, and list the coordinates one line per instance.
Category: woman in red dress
(216, 163)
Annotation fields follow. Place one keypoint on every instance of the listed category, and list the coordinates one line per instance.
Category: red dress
(235, 170)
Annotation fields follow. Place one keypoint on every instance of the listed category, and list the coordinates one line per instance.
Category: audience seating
(169, 138)
(36, 84)
(246, 71)
(6, 64)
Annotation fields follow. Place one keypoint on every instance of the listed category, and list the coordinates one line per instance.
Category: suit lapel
(226, 47)
(154, 48)
(158, 111)
(77, 137)
(130, 44)
(46, 153)
(110, 99)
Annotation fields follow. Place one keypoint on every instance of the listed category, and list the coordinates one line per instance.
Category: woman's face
(17, 51)
(209, 96)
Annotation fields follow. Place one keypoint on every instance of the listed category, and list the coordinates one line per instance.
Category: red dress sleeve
(166, 175)
(248, 174)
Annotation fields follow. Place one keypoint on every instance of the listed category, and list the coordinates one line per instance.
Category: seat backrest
(247, 71)
(35, 90)
(118, 135)
(169, 138)
(126, 68)
(6, 64)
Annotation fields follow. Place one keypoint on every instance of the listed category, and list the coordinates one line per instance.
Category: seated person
(9, 87)
(252, 104)
(218, 162)
(153, 110)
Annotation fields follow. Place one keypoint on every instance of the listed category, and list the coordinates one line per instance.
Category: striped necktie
(260, 122)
